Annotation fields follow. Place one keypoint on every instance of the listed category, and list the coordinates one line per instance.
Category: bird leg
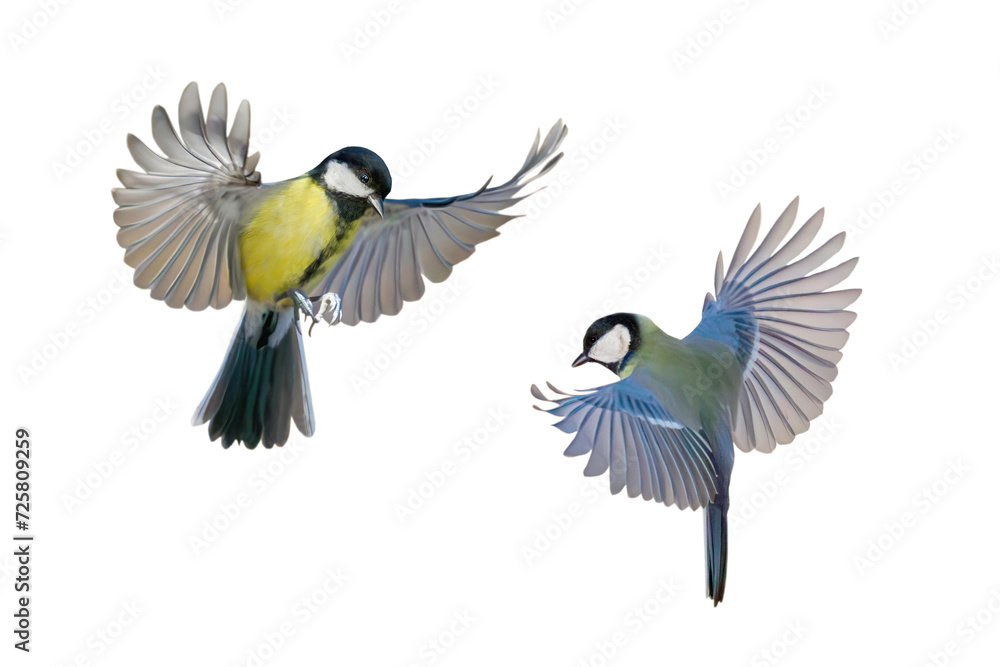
(329, 308)
(303, 304)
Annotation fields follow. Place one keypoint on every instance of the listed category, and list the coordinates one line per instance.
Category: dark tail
(262, 384)
(716, 547)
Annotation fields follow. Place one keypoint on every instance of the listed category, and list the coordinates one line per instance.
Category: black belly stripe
(324, 254)
(331, 248)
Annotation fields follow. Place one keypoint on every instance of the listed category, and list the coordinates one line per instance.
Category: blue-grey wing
(626, 430)
(776, 315)
(180, 217)
(425, 238)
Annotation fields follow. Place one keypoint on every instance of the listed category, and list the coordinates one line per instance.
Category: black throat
(349, 208)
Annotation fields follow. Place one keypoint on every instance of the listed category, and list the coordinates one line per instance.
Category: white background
(660, 136)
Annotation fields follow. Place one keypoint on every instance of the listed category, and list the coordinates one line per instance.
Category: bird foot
(327, 308)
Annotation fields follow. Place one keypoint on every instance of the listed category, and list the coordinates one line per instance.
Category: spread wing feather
(782, 324)
(389, 257)
(627, 431)
(179, 218)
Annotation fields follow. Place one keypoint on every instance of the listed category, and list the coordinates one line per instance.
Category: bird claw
(329, 308)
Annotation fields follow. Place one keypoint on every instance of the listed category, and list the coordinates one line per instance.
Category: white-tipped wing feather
(627, 430)
(179, 220)
(782, 324)
(418, 238)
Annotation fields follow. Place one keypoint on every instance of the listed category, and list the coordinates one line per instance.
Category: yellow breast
(285, 237)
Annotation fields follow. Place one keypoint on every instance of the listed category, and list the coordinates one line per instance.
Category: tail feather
(716, 523)
(302, 408)
(716, 549)
(276, 429)
(261, 388)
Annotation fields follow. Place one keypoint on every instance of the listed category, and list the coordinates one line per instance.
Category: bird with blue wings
(753, 373)
(201, 229)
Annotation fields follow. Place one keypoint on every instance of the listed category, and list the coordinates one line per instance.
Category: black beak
(377, 204)
(581, 360)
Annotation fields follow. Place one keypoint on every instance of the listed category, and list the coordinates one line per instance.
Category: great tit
(201, 230)
(754, 372)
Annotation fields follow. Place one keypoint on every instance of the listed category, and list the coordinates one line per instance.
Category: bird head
(355, 176)
(609, 340)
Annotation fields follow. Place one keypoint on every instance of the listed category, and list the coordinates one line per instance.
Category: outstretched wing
(418, 238)
(626, 429)
(179, 220)
(782, 324)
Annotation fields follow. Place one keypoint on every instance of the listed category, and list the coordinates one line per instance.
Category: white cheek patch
(612, 346)
(340, 178)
